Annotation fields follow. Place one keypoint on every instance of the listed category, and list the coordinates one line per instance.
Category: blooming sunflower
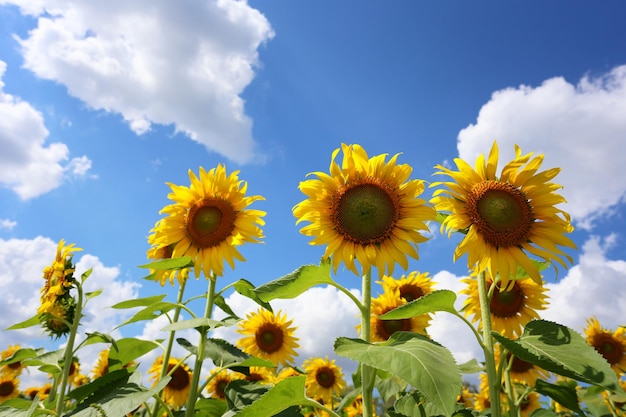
(32, 392)
(366, 210)
(261, 374)
(610, 344)
(208, 220)
(411, 286)
(268, 336)
(162, 275)
(355, 409)
(381, 330)
(8, 387)
(59, 277)
(466, 397)
(177, 389)
(102, 365)
(508, 219)
(14, 368)
(324, 379)
(286, 372)
(521, 371)
(511, 308)
(529, 404)
(219, 378)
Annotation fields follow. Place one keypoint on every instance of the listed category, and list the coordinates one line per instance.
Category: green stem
(509, 387)
(69, 350)
(351, 296)
(368, 374)
(197, 368)
(490, 366)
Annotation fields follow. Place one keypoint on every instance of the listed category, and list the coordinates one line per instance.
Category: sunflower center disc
(6, 388)
(325, 377)
(210, 222)
(269, 338)
(411, 292)
(389, 327)
(611, 351)
(365, 214)
(500, 212)
(180, 378)
(507, 303)
(519, 366)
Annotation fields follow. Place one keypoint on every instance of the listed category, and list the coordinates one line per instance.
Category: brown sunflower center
(519, 366)
(15, 365)
(500, 212)
(325, 377)
(180, 378)
(220, 387)
(209, 222)
(608, 347)
(269, 338)
(254, 377)
(508, 303)
(386, 328)
(365, 213)
(411, 292)
(6, 388)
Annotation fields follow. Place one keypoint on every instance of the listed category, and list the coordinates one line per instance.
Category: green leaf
(97, 337)
(151, 312)
(246, 288)
(287, 393)
(423, 363)
(193, 323)
(33, 321)
(19, 407)
(101, 386)
(295, 283)
(49, 358)
(139, 302)
(127, 350)
(471, 367)
(563, 394)
(170, 264)
(441, 300)
(93, 294)
(410, 405)
(85, 275)
(210, 407)
(21, 355)
(221, 303)
(559, 349)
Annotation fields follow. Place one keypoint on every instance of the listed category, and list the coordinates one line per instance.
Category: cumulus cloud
(580, 128)
(172, 63)
(28, 165)
(7, 224)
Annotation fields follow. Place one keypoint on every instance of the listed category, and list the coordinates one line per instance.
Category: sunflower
(381, 330)
(177, 389)
(14, 368)
(286, 372)
(521, 371)
(366, 210)
(466, 397)
(411, 287)
(260, 374)
(162, 275)
(506, 219)
(219, 378)
(529, 404)
(324, 379)
(610, 344)
(268, 336)
(482, 400)
(355, 409)
(59, 277)
(102, 365)
(511, 308)
(8, 387)
(208, 220)
(32, 392)
(59, 316)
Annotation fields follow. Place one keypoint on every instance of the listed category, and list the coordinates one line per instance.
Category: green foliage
(563, 394)
(421, 362)
(170, 264)
(139, 302)
(295, 283)
(19, 407)
(246, 289)
(127, 350)
(441, 300)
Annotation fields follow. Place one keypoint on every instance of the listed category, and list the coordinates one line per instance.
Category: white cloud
(7, 224)
(173, 63)
(27, 165)
(580, 128)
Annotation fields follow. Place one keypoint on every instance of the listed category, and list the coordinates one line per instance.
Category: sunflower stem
(509, 387)
(490, 366)
(197, 368)
(69, 350)
(368, 374)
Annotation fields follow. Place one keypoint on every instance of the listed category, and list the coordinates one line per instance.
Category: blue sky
(100, 106)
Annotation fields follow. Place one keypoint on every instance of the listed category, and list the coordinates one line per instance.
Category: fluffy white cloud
(178, 63)
(7, 224)
(580, 128)
(28, 165)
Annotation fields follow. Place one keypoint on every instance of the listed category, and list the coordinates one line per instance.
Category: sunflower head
(610, 344)
(324, 379)
(381, 330)
(507, 220)
(268, 336)
(365, 211)
(521, 371)
(59, 316)
(58, 276)
(218, 380)
(14, 368)
(8, 387)
(177, 389)
(156, 253)
(410, 287)
(207, 221)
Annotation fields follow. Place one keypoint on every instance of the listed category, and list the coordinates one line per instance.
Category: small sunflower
(268, 336)
(177, 389)
(208, 220)
(74, 373)
(156, 253)
(529, 404)
(355, 409)
(610, 344)
(286, 372)
(8, 387)
(366, 210)
(511, 308)
(324, 379)
(521, 371)
(32, 392)
(506, 219)
(261, 374)
(59, 316)
(466, 397)
(102, 366)
(59, 276)
(381, 330)
(411, 287)
(14, 368)
(219, 378)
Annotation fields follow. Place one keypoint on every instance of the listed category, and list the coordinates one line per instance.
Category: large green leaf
(19, 407)
(21, 355)
(150, 312)
(559, 349)
(127, 350)
(421, 362)
(139, 302)
(441, 300)
(246, 288)
(33, 321)
(170, 264)
(563, 394)
(295, 283)
(193, 323)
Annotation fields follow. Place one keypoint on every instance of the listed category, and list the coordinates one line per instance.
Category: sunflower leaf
(139, 302)
(127, 349)
(559, 349)
(170, 264)
(192, 323)
(246, 288)
(562, 394)
(19, 407)
(26, 323)
(21, 355)
(441, 300)
(418, 360)
(150, 312)
(295, 283)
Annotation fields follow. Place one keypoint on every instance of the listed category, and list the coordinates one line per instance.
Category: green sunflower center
(365, 213)
(6, 388)
(269, 338)
(325, 377)
(500, 212)
(180, 378)
(508, 303)
(609, 347)
(209, 222)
